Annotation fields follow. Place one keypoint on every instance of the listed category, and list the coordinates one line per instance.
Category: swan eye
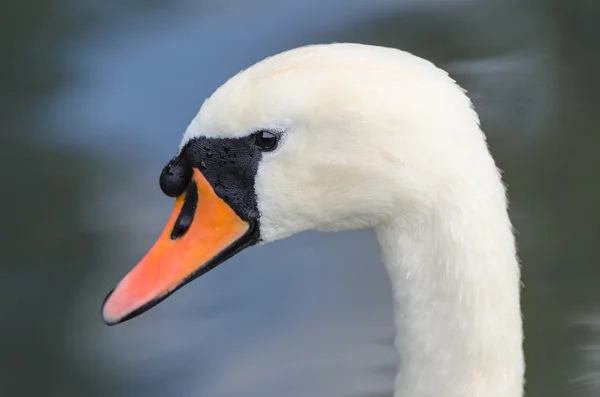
(265, 140)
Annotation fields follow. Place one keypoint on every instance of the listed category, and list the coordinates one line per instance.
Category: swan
(348, 136)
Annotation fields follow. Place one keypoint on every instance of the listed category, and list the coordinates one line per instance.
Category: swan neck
(456, 284)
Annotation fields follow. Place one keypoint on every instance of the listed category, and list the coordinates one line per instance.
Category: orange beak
(202, 232)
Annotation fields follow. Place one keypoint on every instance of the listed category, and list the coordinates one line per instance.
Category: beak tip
(106, 317)
(110, 322)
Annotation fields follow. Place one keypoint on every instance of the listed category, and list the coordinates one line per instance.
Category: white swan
(345, 136)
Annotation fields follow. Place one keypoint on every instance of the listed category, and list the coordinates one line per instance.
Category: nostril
(188, 210)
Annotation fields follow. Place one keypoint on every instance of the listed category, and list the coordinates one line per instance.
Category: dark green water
(93, 100)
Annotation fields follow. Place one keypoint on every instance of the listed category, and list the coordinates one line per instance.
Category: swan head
(327, 137)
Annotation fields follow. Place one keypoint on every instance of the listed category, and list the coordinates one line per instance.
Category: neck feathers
(456, 283)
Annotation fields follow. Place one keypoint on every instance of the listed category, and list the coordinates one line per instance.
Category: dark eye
(265, 140)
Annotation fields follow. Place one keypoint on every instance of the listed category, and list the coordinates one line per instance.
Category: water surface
(95, 97)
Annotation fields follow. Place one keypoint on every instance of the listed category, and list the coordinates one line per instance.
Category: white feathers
(378, 138)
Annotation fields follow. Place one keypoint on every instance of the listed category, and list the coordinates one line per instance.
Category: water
(95, 97)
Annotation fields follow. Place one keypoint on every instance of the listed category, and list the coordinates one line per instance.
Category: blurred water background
(94, 97)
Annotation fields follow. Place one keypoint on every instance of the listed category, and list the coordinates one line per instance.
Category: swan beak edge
(202, 232)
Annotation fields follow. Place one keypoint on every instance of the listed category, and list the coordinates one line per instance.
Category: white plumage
(379, 138)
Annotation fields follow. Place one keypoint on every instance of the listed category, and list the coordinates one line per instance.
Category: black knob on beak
(175, 177)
